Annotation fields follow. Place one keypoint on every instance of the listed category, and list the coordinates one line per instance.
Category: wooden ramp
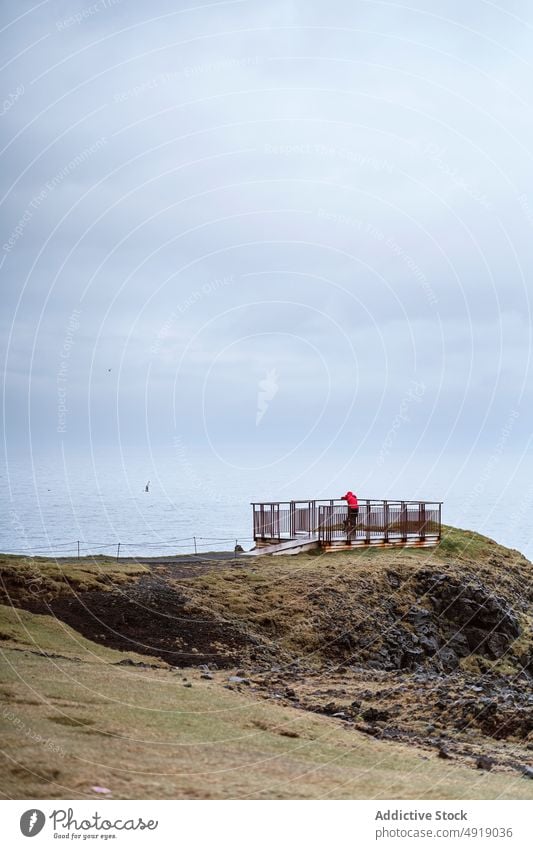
(289, 546)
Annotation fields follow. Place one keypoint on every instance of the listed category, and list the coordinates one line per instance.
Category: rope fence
(83, 548)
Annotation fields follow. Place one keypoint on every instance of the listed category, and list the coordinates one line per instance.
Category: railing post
(403, 521)
(368, 511)
(386, 521)
(422, 517)
(331, 518)
(292, 520)
(275, 521)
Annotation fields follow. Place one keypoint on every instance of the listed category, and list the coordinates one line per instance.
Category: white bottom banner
(357, 824)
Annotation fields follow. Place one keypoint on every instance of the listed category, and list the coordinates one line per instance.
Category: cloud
(360, 174)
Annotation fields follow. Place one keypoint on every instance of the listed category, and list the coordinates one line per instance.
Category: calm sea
(49, 504)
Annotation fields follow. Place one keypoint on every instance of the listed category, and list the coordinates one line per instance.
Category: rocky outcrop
(449, 620)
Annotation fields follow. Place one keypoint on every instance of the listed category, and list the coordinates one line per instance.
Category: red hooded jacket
(351, 500)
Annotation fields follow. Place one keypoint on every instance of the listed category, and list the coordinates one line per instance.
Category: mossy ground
(68, 725)
(74, 715)
(24, 579)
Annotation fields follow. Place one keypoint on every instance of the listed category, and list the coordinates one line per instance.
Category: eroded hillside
(430, 647)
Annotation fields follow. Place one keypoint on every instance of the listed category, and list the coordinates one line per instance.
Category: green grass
(23, 578)
(69, 725)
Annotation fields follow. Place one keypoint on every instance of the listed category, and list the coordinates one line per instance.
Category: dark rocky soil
(460, 714)
(150, 616)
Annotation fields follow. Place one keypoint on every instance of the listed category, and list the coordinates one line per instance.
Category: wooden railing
(378, 520)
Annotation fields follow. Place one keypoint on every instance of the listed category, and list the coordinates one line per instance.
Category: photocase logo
(268, 388)
(32, 822)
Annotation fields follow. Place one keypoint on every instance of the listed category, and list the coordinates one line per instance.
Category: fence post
(118, 551)
(195, 548)
(78, 549)
(386, 521)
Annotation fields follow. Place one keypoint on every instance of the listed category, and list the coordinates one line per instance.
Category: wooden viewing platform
(291, 526)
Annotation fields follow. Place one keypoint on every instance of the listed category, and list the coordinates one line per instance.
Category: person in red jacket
(353, 511)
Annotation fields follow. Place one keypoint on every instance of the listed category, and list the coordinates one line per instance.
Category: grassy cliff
(383, 673)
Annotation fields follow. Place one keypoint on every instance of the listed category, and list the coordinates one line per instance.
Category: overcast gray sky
(267, 227)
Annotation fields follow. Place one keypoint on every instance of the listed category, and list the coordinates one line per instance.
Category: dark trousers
(351, 524)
